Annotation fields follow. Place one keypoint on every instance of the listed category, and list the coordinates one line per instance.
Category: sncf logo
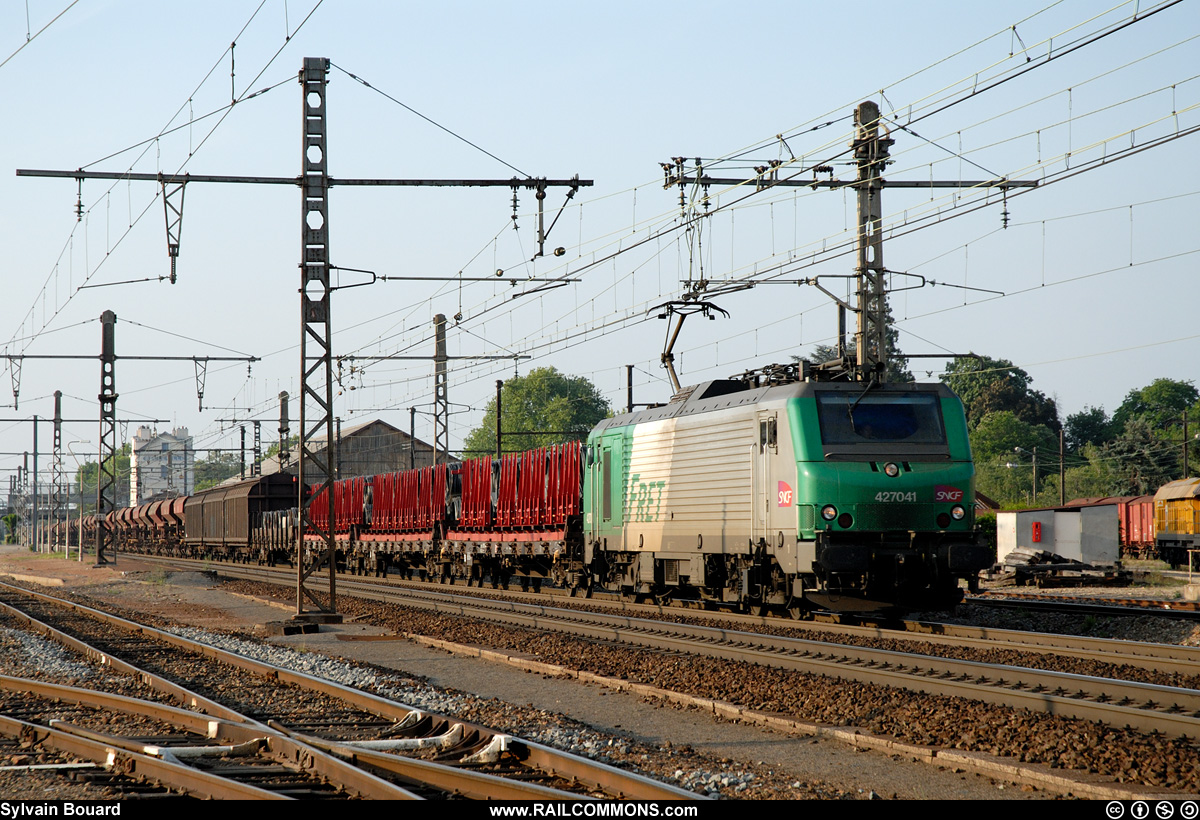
(943, 493)
(785, 494)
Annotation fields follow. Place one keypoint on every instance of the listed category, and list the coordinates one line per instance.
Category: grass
(1151, 573)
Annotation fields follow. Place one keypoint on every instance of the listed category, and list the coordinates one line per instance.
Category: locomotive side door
(765, 446)
(606, 501)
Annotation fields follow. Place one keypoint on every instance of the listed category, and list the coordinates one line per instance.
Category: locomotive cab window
(881, 419)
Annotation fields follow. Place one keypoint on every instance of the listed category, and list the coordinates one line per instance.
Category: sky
(1088, 283)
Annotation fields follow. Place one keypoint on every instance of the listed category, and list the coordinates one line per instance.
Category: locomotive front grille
(807, 516)
(897, 516)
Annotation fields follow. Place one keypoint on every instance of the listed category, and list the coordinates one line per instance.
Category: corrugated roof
(1183, 488)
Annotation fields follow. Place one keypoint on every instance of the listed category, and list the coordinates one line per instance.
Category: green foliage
(565, 407)
(214, 469)
(998, 435)
(1094, 476)
(1091, 425)
(85, 478)
(1161, 403)
(293, 445)
(1142, 462)
(988, 385)
(10, 524)
(897, 364)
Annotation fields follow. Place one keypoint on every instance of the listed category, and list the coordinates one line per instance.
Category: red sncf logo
(944, 493)
(785, 494)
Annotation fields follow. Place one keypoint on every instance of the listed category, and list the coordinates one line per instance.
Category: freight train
(1177, 521)
(1165, 525)
(757, 496)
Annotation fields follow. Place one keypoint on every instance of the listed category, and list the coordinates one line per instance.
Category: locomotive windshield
(880, 418)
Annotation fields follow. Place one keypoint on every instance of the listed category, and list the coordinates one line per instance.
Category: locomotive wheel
(799, 613)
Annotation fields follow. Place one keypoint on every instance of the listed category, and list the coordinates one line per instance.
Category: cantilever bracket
(173, 189)
(201, 374)
(15, 363)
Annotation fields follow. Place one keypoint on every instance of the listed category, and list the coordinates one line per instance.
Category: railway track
(1173, 711)
(309, 729)
(1166, 660)
(1148, 707)
(1115, 607)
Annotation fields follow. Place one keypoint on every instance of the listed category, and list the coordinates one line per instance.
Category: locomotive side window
(881, 418)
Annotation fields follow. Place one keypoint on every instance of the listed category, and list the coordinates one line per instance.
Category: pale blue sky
(1099, 269)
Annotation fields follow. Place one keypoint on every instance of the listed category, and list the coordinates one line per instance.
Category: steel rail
(352, 778)
(463, 782)
(627, 784)
(1184, 660)
(199, 724)
(135, 765)
(1036, 690)
(1181, 610)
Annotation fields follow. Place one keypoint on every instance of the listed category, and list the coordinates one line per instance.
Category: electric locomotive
(806, 495)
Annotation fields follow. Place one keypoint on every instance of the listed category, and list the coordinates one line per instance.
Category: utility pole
(1062, 469)
(106, 479)
(871, 156)
(106, 476)
(56, 466)
(870, 150)
(1035, 475)
(37, 529)
(256, 465)
(284, 430)
(1185, 443)
(441, 401)
(499, 427)
(316, 372)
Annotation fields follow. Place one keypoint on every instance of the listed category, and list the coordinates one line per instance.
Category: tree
(1091, 425)
(1002, 445)
(897, 363)
(218, 466)
(558, 407)
(988, 385)
(1162, 403)
(1141, 460)
(10, 524)
(85, 479)
(1096, 477)
(999, 434)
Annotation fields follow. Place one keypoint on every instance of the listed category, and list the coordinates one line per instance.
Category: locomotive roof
(1183, 488)
(719, 394)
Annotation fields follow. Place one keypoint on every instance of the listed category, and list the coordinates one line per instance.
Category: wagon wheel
(756, 608)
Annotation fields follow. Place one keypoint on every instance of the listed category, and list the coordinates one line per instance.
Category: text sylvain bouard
(10, 808)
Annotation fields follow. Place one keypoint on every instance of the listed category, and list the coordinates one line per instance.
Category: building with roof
(160, 465)
(370, 448)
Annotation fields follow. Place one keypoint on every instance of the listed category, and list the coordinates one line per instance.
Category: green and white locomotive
(798, 496)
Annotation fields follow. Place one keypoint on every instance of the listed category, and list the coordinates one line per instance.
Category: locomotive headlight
(891, 469)
(829, 512)
(958, 512)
